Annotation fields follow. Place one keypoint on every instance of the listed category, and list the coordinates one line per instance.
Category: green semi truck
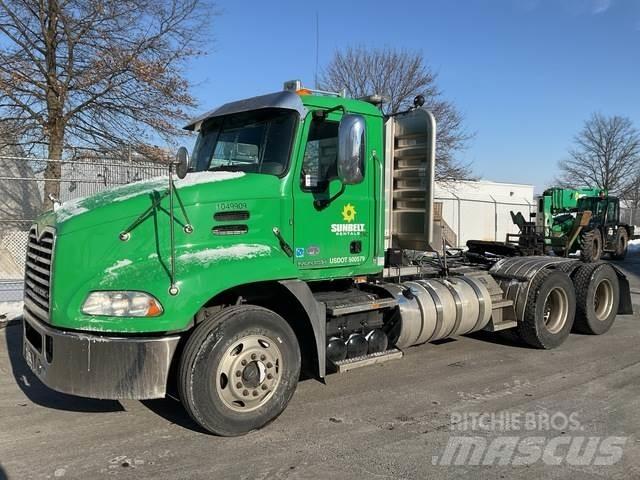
(297, 236)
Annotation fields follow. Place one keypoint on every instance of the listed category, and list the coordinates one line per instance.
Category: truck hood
(132, 200)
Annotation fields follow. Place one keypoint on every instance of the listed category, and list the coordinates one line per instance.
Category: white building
(480, 210)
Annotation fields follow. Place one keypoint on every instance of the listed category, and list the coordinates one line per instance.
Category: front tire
(239, 370)
(549, 311)
(598, 297)
(591, 250)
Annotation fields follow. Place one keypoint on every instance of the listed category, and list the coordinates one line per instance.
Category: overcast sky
(526, 73)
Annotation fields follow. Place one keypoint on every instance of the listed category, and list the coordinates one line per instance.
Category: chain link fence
(22, 199)
(630, 215)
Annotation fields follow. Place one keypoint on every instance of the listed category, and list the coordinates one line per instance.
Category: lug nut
(255, 393)
(245, 392)
(243, 362)
(269, 376)
(264, 387)
(238, 373)
(269, 364)
(253, 356)
(263, 357)
(238, 385)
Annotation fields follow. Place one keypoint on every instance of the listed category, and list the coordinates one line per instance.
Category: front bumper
(98, 366)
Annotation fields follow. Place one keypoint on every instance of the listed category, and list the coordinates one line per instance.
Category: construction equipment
(267, 255)
(567, 220)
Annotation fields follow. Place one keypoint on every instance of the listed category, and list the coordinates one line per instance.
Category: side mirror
(182, 162)
(351, 149)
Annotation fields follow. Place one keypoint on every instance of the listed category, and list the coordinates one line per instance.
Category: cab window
(320, 162)
(612, 212)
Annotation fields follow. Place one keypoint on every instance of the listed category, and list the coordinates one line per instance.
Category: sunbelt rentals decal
(348, 227)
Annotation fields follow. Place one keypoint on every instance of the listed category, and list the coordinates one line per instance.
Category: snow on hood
(111, 271)
(80, 205)
(197, 178)
(240, 251)
(70, 209)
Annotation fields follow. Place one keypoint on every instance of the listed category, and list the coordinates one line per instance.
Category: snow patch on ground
(241, 251)
(111, 271)
(10, 311)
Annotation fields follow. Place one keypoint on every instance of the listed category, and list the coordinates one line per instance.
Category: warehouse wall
(480, 210)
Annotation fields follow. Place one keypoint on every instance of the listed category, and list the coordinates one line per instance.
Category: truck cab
(294, 141)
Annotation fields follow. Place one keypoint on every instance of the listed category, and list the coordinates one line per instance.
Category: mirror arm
(321, 204)
(173, 289)
(188, 227)
(418, 102)
(322, 114)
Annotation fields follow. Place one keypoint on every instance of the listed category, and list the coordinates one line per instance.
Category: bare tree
(606, 154)
(96, 73)
(399, 76)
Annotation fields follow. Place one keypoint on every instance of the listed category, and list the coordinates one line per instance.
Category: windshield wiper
(226, 168)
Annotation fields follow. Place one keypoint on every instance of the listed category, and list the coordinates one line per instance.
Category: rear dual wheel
(550, 310)
(598, 297)
(555, 304)
(239, 370)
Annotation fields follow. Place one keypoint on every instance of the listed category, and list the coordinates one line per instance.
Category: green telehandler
(566, 221)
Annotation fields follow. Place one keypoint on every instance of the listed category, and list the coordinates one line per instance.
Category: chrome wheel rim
(603, 300)
(556, 310)
(249, 373)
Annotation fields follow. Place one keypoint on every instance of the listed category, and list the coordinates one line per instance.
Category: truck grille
(37, 273)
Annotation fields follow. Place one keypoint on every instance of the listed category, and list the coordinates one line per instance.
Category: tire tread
(528, 329)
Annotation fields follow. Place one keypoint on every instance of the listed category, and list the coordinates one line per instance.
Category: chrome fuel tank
(436, 308)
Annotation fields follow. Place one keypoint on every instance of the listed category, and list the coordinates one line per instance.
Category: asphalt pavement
(395, 420)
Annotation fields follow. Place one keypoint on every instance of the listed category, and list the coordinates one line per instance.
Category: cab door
(611, 221)
(333, 225)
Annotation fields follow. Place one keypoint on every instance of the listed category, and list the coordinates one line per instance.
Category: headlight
(121, 304)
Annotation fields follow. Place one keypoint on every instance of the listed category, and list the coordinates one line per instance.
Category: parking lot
(387, 421)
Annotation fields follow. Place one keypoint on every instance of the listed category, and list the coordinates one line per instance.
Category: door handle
(283, 243)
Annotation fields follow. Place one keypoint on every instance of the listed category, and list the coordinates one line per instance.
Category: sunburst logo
(349, 213)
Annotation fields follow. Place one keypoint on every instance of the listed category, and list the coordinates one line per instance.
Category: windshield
(252, 142)
(594, 204)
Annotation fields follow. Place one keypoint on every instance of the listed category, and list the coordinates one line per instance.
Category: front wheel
(239, 370)
(591, 246)
(549, 311)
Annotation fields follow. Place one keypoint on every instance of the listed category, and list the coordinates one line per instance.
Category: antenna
(317, 48)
